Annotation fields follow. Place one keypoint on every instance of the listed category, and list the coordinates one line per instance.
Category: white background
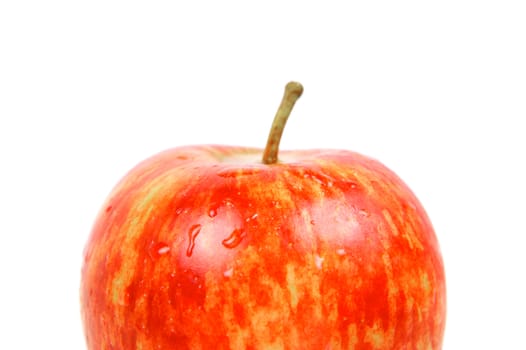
(434, 90)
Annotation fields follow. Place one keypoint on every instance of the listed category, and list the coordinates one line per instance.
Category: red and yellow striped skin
(205, 247)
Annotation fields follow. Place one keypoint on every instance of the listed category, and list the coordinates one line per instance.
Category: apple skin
(205, 247)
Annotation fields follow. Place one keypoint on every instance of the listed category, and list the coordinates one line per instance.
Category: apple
(222, 247)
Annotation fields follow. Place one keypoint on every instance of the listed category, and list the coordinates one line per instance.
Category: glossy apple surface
(206, 247)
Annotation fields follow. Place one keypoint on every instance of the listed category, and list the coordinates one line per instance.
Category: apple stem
(293, 91)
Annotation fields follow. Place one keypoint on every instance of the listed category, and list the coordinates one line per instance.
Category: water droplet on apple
(318, 261)
(229, 273)
(212, 211)
(163, 249)
(364, 213)
(341, 251)
(253, 217)
(228, 203)
(318, 180)
(234, 239)
(178, 211)
(353, 185)
(313, 222)
(156, 249)
(322, 179)
(193, 232)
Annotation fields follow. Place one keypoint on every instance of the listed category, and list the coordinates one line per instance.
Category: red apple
(210, 247)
